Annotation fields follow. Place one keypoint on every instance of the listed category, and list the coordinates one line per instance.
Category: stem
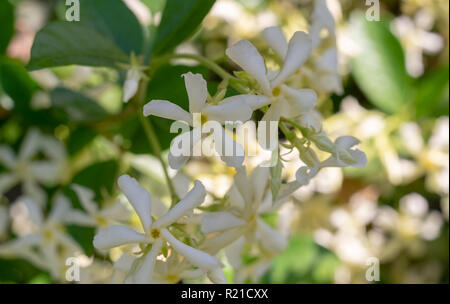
(152, 138)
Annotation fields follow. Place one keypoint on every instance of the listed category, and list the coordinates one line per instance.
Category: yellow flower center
(155, 233)
(276, 91)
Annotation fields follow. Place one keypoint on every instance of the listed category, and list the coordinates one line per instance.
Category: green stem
(152, 138)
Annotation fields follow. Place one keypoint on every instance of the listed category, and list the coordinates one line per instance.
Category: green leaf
(154, 5)
(114, 21)
(6, 24)
(99, 177)
(179, 21)
(84, 236)
(76, 107)
(432, 97)
(79, 138)
(379, 68)
(17, 83)
(303, 261)
(63, 43)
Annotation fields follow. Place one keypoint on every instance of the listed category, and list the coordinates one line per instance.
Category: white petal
(177, 162)
(217, 276)
(248, 58)
(347, 142)
(241, 181)
(86, 198)
(7, 157)
(60, 209)
(234, 252)
(34, 210)
(275, 38)
(167, 109)
(196, 257)
(230, 111)
(230, 151)
(46, 172)
(255, 102)
(197, 90)
(274, 113)
(181, 148)
(193, 199)
(219, 221)
(360, 157)
(30, 144)
(113, 236)
(298, 52)
(259, 181)
(78, 217)
(33, 190)
(235, 198)
(271, 240)
(131, 84)
(192, 274)
(222, 240)
(144, 273)
(300, 101)
(139, 199)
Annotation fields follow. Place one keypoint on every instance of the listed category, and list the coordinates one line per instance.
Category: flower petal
(300, 101)
(144, 273)
(259, 181)
(60, 209)
(196, 257)
(217, 276)
(248, 58)
(275, 38)
(30, 144)
(46, 172)
(255, 102)
(230, 111)
(230, 151)
(138, 198)
(298, 52)
(167, 109)
(271, 239)
(7, 157)
(197, 90)
(7, 181)
(131, 84)
(194, 198)
(34, 210)
(116, 235)
(86, 198)
(219, 221)
(347, 142)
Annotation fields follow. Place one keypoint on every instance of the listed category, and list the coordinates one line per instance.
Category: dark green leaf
(76, 106)
(179, 21)
(79, 138)
(113, 20)
(379, 68)
(17, 83)
(63, 43)
(432, 94)
(98, 177)
(6, 24)
(84, 236)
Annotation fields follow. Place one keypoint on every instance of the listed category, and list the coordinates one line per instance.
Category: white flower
(344, 156)
(53, 244)
(285, 101)
(156, 232)
(231, 109)
(248, 199)
(416, 38)
(134, 76)
(29, 172)
(94, 216)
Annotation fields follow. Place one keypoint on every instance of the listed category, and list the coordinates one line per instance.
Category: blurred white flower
(31, 172)
(155, 233)
(49, 237)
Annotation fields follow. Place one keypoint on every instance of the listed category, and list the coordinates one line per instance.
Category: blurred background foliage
(395, 98)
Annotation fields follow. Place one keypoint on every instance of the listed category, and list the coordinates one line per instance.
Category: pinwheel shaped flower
(285, 101)
(48, 245)
(156, 233)
(233, 109)
(248, 198)
(24, 169)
